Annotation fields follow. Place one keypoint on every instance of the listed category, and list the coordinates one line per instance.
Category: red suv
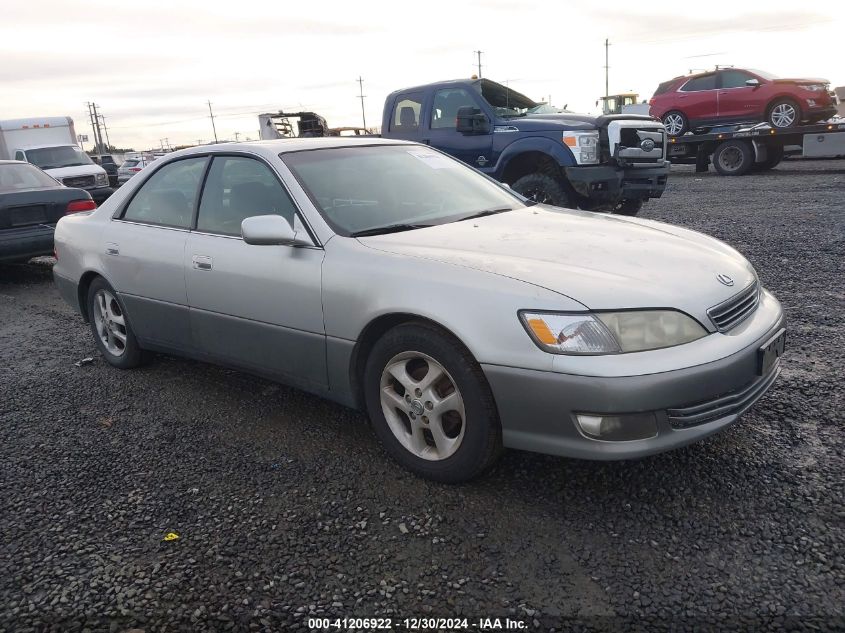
(734, 95)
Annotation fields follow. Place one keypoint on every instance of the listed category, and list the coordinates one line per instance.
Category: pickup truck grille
(637, 142)
(82, 182)
(735, 310)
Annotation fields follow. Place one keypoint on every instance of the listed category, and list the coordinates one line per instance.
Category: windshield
(387, 186)
(17, 177)
(53, 157)
(505, 101)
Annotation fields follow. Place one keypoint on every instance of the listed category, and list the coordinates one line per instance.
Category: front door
(737, 101)
(473, 149)
(257, 307)
(144, 251)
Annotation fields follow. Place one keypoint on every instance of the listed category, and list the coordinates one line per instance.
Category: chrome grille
(735, 310)
(82, 182)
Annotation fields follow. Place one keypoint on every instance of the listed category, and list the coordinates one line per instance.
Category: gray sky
(152, 64)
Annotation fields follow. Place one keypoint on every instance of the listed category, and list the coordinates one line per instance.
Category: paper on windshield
(435, 160)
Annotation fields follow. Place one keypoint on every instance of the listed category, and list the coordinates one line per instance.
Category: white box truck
(50, 143)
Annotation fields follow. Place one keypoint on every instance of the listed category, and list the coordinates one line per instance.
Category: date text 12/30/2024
(416, 624)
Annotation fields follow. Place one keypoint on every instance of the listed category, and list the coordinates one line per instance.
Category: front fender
(556, 149)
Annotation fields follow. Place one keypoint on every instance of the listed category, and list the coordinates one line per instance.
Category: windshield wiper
(390, 228)
(485, 212)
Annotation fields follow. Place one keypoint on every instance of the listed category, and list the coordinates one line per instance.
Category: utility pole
(106, 129)
(237, 134)
(361, 96)
(211, 116)
(606, 66)
(100, 143)
(479, 62)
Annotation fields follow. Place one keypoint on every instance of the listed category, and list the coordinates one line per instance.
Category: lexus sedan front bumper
(539, 409)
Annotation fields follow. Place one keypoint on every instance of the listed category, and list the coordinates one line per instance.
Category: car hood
(602, 261)
(804, 80)
(76, 170)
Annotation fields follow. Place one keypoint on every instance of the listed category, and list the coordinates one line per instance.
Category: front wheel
(543, 189)
(110, 326)
(430, 404)
(784, 113)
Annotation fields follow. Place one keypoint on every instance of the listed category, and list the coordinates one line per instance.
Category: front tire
(542, 189)
(110, 326)
(430, 404)
(783, 114)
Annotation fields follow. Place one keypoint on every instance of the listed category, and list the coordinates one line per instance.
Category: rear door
(144, 252)
(737, 101)
(473, 149)
(256, 307)
(697, 99)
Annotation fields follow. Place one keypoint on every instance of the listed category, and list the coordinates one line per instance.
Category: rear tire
(542, 189)
(628, 207)
(430, 404)
(111, 328)
(774, 155)
(733, 158)
(676, 123)
(783, 114)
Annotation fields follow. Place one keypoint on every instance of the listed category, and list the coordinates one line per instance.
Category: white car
(130, 167)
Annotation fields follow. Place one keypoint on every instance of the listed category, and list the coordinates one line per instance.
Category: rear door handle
(201, 262)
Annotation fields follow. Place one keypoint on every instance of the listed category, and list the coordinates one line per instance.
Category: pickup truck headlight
(610, 332)
(101, 179)
(584, 146)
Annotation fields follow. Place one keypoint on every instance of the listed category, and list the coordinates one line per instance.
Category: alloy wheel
(110, 322)
(783, 115)
(674, 124)
(423, 406)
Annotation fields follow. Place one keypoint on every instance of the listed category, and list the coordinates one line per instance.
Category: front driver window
(239, 188)
(169, 196)
(734, 79)
(447, 102)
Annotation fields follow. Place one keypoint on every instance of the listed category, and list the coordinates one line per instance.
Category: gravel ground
(286, 507)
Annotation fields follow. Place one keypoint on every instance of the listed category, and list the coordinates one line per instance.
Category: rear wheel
(628, 207)
(430, 404)
(774, 155)
(784, 113)
(110, 326)
(543, 189)
(676, 123)
(733, 158)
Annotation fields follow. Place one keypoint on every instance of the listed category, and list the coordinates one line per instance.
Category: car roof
(288, 145)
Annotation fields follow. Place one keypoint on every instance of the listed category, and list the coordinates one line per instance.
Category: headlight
(610, 332)
(101, 179)
(584, 146)
(814, 87)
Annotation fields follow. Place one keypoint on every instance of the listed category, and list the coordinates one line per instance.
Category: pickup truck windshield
(385, 188)
(54, 157)
(505, 101)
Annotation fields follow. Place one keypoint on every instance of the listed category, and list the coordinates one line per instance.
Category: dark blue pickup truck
(610, 163)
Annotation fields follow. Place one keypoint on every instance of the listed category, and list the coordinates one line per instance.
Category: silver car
(462, 318)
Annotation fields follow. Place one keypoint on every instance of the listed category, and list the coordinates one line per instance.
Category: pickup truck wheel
(543, 189)
(784, 113)
(676, 123)
(110, 326)
(430, 404)
(628, 207)
(774, 155)
(733, 158)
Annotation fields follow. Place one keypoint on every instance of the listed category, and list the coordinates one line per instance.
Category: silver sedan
(462, 318)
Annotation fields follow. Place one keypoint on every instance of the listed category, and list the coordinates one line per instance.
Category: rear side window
(168, 197)
(406, 113)
(704, 82)
(236, 188)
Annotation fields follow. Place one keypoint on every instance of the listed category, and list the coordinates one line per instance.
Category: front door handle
(201, 262)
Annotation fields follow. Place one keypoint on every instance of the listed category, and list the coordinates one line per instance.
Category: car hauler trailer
(740, 150)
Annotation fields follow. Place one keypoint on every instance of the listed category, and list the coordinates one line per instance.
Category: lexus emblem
(724, 279)
(647, 144)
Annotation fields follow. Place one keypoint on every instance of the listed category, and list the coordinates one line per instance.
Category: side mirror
(472, 120)
(270, 230)
(752, 83)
